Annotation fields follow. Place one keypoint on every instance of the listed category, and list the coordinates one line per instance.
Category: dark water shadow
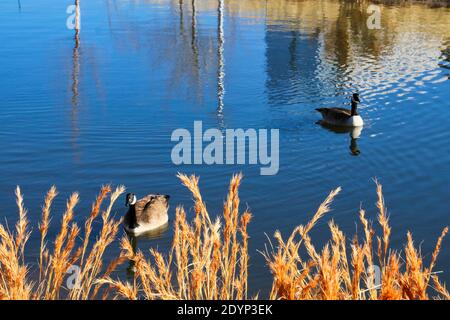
(354, 134)
(146, 236)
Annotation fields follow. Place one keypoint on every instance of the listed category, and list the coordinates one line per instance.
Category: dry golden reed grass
(54, 262)
(209, 257)
(347, 271)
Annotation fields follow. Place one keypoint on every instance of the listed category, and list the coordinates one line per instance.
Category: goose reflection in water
(149, 235)
(354, 134)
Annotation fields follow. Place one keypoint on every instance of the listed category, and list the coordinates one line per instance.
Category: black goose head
(130, 199)
(355, 101)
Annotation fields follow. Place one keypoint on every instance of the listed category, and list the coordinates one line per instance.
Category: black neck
(354, 106)
(133, 219)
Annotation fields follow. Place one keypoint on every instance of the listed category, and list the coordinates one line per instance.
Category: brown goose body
(146, 214)
(336, 113)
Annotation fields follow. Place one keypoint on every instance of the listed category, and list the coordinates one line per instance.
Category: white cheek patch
(133, 202)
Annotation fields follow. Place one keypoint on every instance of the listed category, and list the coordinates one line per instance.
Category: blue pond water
(79, 115)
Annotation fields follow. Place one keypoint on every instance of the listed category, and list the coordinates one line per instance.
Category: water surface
(79, 114)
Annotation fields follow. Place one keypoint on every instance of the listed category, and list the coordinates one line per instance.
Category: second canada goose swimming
(343, 117)
(146, 214)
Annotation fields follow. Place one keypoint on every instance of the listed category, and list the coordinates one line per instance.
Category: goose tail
(323, 111)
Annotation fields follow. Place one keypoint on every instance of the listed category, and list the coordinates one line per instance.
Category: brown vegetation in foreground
(209, 258)
(334, 273)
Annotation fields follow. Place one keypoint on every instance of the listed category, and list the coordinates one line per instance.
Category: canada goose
(343, 117)
(146, 214)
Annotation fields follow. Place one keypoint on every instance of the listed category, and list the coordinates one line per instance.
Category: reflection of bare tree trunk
(194, 35)
(342, 37)
(77, 16)
(75, 72)
(180, 3)
(76, 69)
(293, 51)
(75, 56)
(194, 24)
(108, 9)
(194, 43)
(220, 59)
(20, 5)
